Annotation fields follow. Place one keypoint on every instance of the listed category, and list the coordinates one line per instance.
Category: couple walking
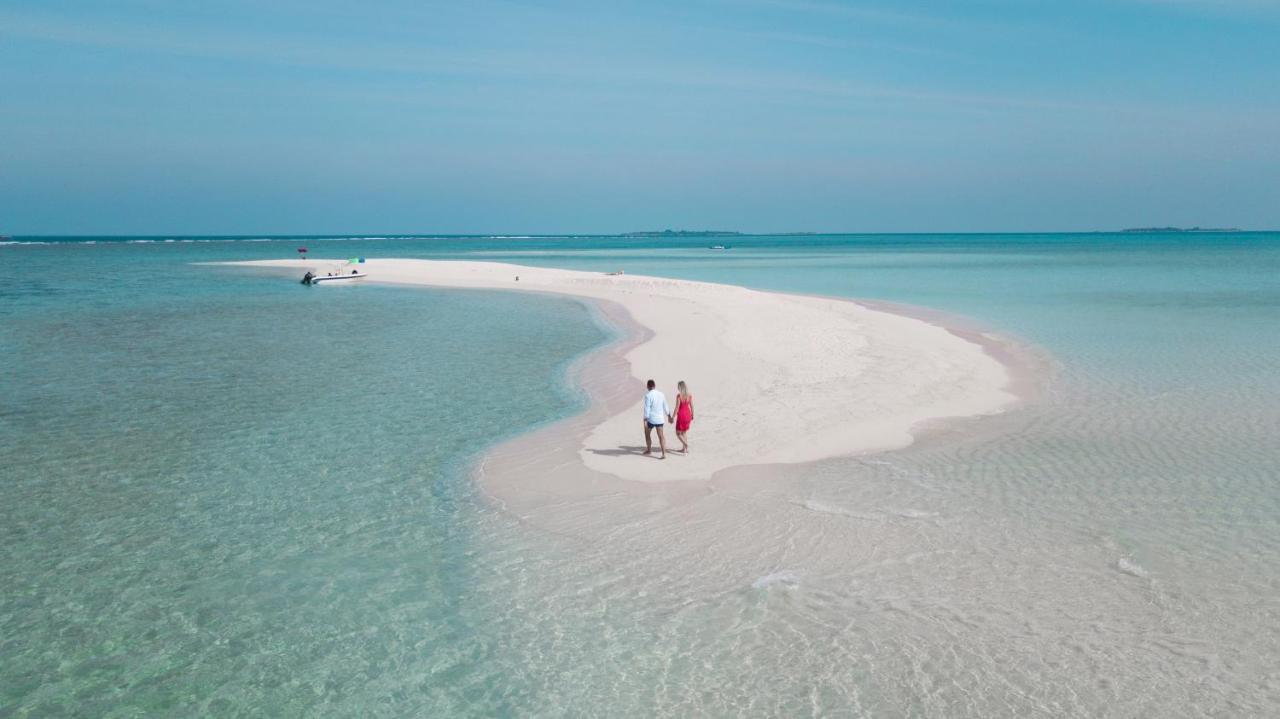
(657, 413)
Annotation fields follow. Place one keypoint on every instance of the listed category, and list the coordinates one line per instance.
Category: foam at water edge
(787, 580)
(823, 508)
(1132, 568)
(884, 513)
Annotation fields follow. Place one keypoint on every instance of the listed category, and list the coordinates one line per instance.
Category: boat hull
(338, 279)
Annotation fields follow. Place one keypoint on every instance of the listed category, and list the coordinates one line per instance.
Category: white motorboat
(334, 278)
(345, 273)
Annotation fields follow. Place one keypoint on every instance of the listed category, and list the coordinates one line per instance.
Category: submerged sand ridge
(776, 378)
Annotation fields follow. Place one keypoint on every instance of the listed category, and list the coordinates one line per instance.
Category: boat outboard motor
(306, 279)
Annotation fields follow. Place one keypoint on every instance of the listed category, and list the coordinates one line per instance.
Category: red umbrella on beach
(302, 253)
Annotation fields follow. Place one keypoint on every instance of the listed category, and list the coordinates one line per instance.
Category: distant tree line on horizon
(1182, 229)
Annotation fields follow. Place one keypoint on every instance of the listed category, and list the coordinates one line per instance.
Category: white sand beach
(776, 378)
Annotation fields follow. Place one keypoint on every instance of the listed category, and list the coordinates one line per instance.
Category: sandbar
(777, 378)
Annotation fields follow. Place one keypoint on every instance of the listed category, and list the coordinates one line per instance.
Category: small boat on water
(344, 274)
(718, 247)
(312, 278)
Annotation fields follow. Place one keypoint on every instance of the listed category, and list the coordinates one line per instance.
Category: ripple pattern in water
(226, 496)
(222, 505)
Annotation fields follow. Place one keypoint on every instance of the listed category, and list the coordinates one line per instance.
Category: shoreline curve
(777, 378)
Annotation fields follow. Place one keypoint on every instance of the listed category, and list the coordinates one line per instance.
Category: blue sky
(756, 115)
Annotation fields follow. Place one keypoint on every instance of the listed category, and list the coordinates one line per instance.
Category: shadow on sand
(624, 450)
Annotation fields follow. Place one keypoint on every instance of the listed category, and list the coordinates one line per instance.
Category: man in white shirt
(656, 413)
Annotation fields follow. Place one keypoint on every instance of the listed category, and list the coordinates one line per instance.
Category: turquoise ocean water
(228, 494)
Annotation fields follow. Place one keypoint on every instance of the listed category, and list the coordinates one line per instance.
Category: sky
(238, 117)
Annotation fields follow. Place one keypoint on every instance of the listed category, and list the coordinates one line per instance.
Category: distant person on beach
(683, 415)
(656, 412)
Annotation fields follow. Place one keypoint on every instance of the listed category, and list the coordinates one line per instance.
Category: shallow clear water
(228, 493)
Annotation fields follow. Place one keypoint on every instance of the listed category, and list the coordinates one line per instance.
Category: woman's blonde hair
(682, 388)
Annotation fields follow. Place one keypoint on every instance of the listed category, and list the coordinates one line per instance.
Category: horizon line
(643, 234)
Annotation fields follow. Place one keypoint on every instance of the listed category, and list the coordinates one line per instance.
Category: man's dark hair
(652, 384)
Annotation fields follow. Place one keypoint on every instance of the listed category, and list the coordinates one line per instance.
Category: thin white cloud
(1241, 9)
(836, 43)
(872, 13)
(425, 60)
(619, 73)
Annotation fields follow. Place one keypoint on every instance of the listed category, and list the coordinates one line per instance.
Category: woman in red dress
(684, 414)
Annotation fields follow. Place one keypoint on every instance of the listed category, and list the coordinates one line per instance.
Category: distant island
(712, 233)
(683, 233)
(1182, 229)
